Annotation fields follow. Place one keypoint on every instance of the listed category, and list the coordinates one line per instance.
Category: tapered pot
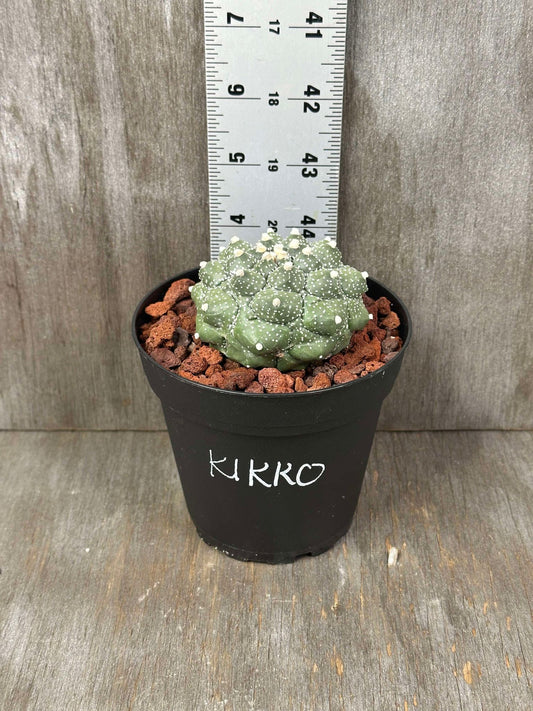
(271, 477)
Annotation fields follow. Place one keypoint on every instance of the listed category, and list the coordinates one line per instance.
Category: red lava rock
(212, 369)
(320, 382)
(187, 320)
(211, 355)
(371, 327)
(343, 376)
(373, 314)
(182, 306)
(274, 381)
(254, 387)
(230, 364)
(356, 369)
(372, 365)
(165, 357)
(391, 321)
(157, 309)
(181, 352)
(296, 374)
(177, 291)
(194, 364)
(190, 376)
(383, 306)
(169, 338)
(326, 368)
(236, 379)
(353, 357)
(337, 360)
(362, 348)
(162, 330)
(299, 385)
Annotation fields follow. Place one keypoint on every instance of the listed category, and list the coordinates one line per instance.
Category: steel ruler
(274, 82)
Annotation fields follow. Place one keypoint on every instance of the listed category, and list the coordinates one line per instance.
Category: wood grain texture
(103, 193)
(437, 199)
(108, 599)
(103, 196)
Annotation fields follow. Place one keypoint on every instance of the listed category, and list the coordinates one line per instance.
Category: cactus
(279, 303)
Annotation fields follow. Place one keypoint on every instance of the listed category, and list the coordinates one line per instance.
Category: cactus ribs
(169, 337)
(281, 302)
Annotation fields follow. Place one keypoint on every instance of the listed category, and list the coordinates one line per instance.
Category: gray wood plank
(108, 600)
(103, 196)
(104, 193)
(436, 199)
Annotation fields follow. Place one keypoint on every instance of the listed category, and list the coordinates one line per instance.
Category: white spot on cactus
(234, 239)
(190, 288)
(239, 272)
(238, 252)
(294, 244)
(278, 247)
(259, 346)
(204, 307)
(202, 264)
(338, 319)
(364, 275)
(295, 231)
(269, 229)
(307, 251)
(371, 316)
(288, 266)
(268, 256)
(260, 248)
(276, 302)
(334, 273)
(265, 237)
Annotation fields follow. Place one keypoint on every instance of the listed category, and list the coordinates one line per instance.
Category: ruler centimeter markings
(274, 92)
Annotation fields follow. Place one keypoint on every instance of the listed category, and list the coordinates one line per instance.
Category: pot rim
(240, 393)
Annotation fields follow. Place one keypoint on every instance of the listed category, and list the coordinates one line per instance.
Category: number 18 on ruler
(274, 77)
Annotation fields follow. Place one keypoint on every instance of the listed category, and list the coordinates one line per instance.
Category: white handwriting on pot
(271, 474)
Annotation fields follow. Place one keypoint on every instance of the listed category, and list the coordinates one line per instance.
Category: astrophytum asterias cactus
(282, 302)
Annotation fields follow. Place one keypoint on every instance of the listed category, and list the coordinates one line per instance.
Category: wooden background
(103, 192)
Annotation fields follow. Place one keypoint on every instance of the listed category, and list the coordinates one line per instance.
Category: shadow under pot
(271, 477)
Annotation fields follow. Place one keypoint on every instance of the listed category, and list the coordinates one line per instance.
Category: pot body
(270, 477)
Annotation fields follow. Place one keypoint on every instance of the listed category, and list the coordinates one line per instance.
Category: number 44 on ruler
(274, 78)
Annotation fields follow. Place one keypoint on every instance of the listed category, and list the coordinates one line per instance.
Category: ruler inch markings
(261, 115)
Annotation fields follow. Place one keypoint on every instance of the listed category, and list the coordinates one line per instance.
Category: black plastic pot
(270, 477)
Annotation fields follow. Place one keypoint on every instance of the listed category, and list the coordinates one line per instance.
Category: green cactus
(280, 302)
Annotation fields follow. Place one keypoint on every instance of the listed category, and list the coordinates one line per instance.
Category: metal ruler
(275, 78)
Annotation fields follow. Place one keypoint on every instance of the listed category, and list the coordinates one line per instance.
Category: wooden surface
(103, 193)
(108, 600)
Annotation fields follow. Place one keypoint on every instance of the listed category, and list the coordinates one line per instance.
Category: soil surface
(168, 337)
